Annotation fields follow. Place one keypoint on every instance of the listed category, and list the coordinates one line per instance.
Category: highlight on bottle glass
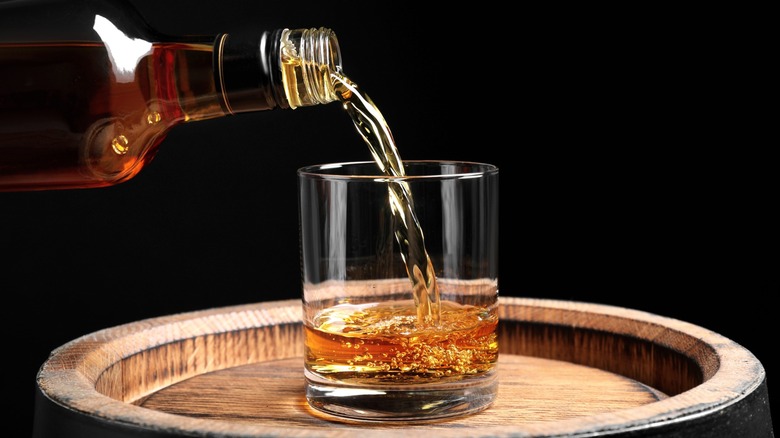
(400, 289)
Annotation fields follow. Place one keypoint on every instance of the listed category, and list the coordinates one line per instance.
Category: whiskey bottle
(88, 90)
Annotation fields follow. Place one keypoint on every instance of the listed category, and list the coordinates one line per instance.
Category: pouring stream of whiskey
(408, 233)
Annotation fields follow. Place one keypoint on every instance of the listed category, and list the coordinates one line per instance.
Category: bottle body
(72, 124)
(92, 112)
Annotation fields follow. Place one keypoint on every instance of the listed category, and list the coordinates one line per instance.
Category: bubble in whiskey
(120, 144)
(153, 118)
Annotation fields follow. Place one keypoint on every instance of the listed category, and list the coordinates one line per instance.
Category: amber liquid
(79, 115)
(372, 127)
(399, 342)
(382, 343)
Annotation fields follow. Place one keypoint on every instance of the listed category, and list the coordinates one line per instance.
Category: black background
(628, 175)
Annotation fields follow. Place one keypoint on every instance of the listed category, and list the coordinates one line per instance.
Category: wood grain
(270, 393)
(565, 369)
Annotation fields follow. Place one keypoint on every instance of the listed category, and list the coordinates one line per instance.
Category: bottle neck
(276, 69)
(246, 72)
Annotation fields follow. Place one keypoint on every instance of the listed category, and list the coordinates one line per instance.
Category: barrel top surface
(197, 374)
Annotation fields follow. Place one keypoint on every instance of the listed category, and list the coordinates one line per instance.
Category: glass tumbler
(400, 289)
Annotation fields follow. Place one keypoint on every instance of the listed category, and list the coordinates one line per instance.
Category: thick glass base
(401, 403)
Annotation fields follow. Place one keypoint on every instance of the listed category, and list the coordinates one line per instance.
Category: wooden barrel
(566, 369)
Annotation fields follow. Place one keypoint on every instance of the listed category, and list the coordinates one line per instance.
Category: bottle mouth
(309, 57)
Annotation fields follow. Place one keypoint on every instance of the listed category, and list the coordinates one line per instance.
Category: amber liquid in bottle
(79, 115)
